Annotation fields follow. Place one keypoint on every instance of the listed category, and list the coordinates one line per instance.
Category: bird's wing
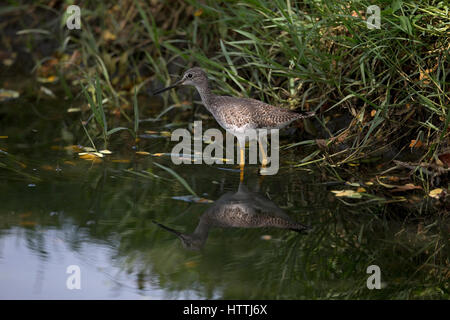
(261, 115)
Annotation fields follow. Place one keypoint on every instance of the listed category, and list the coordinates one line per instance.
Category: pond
(134, 230)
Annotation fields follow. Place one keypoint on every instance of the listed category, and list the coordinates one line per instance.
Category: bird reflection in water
(241, 209)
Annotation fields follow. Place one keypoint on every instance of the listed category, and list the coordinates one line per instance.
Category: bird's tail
(304, 114)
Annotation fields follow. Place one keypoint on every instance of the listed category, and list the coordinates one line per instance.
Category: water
(58, 210)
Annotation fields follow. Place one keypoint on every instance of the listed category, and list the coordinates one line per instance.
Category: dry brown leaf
(406, 187)
(445, 158)
(415, 144)
(321, 143)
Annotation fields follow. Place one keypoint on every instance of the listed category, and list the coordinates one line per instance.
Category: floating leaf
(121, 160)
(89, 156)
(165, 134)
(347, 194)
(50, 79)
(6, 95)
(143, 153)
(47, 91)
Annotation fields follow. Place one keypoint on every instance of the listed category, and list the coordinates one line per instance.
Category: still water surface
(137, 233)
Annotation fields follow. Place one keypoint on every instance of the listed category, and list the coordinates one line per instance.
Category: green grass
(391, 83)
(314, 55)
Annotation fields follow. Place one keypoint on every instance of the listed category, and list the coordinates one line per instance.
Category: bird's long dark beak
(176, 84)
(177, 233)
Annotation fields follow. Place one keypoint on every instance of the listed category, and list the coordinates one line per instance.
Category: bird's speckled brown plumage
(236, 114)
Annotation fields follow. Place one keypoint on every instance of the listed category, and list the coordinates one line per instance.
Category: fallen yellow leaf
(435, 193)
(108, 35)
(88, 156)
(50, 79)
(347, 193)
(8, 94)
(190, 264)
(198, 13)
(121, 160)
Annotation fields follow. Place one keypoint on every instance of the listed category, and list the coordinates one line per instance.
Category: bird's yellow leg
(263, 162)
(242, 164)
(264, 156)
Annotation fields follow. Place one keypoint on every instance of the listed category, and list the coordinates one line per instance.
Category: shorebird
(237, 115)
(241, 209)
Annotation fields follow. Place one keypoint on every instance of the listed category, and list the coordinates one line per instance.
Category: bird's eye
(189, 75)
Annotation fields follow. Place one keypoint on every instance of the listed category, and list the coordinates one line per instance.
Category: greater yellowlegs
(237, 115)
(241, 209)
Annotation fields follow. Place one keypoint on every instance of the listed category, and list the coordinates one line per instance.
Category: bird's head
(194, 77)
